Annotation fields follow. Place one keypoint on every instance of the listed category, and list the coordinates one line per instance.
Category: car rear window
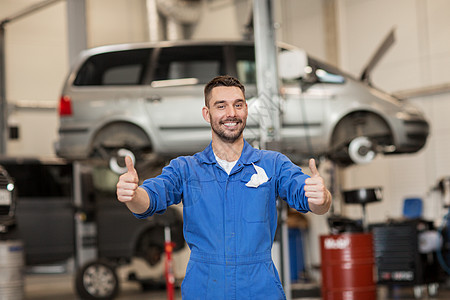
(114, 68)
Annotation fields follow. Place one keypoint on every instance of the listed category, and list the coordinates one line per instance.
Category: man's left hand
(319, 197)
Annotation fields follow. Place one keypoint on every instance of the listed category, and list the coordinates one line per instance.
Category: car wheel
(97, 280)
(112, 138)
(358, 137)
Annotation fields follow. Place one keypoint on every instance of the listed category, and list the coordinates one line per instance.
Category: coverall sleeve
(163, 190)
(291, 183)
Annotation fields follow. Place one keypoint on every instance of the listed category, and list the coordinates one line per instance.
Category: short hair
(223, 80)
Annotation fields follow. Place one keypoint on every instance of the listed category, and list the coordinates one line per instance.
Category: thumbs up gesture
(128, 182)
(319, 198)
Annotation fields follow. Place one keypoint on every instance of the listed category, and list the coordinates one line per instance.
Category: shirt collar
(249, 155)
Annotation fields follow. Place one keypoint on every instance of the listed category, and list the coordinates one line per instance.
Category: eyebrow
(223, 101)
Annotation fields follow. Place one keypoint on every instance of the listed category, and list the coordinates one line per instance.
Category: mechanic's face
(227, 113)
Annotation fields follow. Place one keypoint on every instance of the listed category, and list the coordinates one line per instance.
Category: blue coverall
(228, 226)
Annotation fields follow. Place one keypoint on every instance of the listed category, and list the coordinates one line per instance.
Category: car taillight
(65, 106)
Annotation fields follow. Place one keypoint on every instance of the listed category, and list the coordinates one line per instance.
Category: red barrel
(348, 267)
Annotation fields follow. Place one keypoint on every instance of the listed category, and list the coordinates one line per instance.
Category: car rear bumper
(72, 144)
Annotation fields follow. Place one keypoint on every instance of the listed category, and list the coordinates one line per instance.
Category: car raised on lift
(147, 97)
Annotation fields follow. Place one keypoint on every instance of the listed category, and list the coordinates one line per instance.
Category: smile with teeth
(230, 124)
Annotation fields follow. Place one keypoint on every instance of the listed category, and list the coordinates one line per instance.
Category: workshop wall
(115, 22)
(36, 67)
(302, 24)
(221, 19)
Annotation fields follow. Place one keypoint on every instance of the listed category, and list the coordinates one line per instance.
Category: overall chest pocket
(256, 202)
(200, 203)
(197, 189)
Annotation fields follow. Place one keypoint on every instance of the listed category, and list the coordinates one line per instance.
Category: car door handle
(153, 98)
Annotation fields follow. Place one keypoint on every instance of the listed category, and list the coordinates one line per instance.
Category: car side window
(126, 67)
(199, 63)
(326, 76)
(324, 73)
(316, 72)
(123, 75)
(245, 64)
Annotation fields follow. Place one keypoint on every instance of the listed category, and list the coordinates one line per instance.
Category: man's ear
(205, 113)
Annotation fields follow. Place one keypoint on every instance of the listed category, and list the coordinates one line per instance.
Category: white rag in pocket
(257, 179)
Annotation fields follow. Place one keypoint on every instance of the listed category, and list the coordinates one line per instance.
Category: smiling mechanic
(229, 194)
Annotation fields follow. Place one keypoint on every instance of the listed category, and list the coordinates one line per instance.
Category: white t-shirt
(226, 165)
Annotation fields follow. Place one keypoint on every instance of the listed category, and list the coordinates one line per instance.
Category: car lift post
(85, 228)
(168, 248)
(269, 114)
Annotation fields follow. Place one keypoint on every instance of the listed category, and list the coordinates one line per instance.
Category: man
(229, 194)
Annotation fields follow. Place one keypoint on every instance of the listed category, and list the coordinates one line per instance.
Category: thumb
(130, 165)
(313, 168)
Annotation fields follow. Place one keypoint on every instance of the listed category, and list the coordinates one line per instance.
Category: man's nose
(231, 111)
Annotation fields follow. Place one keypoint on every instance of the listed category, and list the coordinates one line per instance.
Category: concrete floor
(61, 286)
(57, 287)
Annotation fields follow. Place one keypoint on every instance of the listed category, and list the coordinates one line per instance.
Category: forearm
(322, 208)
(140, 202)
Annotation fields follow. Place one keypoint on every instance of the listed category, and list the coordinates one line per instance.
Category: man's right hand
(128, 183)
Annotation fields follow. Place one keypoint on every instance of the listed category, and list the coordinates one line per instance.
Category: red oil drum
(347, 267)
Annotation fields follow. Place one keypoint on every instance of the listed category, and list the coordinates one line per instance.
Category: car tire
(97, 280)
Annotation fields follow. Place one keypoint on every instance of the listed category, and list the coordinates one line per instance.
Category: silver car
(147, 98)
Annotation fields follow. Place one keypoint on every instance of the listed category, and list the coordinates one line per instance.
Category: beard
(228, 136)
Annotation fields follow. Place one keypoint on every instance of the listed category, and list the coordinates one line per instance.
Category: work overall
(229, 224)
